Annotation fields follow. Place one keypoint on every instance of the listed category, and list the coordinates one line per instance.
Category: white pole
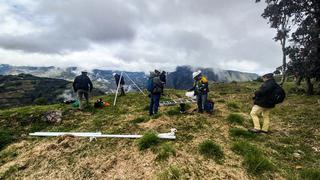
(115, 98)
(134, 83)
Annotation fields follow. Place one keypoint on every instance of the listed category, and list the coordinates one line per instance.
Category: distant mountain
(25, 89)
(102, 79)
(181, 78)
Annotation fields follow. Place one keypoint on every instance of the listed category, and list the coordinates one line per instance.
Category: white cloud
(137, 35)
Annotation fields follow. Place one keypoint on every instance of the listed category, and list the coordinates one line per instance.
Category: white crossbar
(91, 135)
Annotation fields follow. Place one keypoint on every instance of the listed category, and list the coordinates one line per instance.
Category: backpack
(209, 106)
(278, 95)
(150, 85)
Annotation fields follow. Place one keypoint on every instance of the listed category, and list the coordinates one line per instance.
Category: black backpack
(209, 106)
(278, 95)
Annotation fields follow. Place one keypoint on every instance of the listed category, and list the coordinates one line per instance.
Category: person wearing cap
(117, 79)
(163, 78)
(263, 103)
(201, 89)
(155, 86)
(82, 85)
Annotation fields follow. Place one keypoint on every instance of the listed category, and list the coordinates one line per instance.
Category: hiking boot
(254, 130)
(265, 132)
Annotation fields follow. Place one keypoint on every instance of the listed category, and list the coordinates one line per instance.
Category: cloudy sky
(137, 35)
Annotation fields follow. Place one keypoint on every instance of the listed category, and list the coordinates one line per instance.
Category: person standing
(163, 78)
(155, 87)
(122, 83)
(201, 89)
(82, 85)
(263, 103)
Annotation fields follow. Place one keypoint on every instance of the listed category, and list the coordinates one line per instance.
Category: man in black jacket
(117, 79)
(263, 102)
(82, 85)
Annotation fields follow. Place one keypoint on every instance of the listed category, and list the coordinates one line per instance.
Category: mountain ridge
(181, 78)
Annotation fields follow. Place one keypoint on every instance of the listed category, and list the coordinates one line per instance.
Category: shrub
(172, 173)
(41, 101)
(310, 174)
(232, 105)
(211, 150)
(236, 132)
(235, 119)
(166, 150)
(148, 139)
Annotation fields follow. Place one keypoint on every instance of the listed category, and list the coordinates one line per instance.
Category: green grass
(165, 151)
(171, 173)
(148, 139)
(257, 164)
(310, 174)
(254, 160)
(211, 150)
(140, 119)
(9, 173)
(236, 132)
(233, 106)
(235, 119)
(6, 137)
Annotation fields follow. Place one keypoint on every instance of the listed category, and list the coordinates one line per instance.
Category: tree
(305, 53)
(303, 18)
(279, 13)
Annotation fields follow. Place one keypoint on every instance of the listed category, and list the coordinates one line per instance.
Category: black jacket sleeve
(74, 84)
(265, 88)
(90, 83)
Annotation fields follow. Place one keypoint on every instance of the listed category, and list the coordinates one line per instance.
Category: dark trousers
(122, 91)
(82, 93)
(154, 103)
(201, 101)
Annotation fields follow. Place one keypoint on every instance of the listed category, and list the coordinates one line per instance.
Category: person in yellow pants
(255, 112)
(263, 103)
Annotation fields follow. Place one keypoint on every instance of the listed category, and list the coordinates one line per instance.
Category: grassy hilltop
(208, 146)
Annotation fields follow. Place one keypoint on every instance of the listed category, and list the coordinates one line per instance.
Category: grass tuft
(5, 138)
(310, 174)
(235, 119)
(140, 119)
(233, 105)
(166, 150)
(254, 160)
(171, 173)
(148, 139)
(211, 150)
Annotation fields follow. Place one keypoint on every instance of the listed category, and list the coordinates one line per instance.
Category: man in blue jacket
(82, 85)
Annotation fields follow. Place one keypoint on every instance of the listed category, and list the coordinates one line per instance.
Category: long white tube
(134, 83)
(115, 98)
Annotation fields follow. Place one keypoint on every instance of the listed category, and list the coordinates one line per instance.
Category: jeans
(154, 104)
(201, 101)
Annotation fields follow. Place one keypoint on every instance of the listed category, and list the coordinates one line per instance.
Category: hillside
(291, 151)
(25, 89)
